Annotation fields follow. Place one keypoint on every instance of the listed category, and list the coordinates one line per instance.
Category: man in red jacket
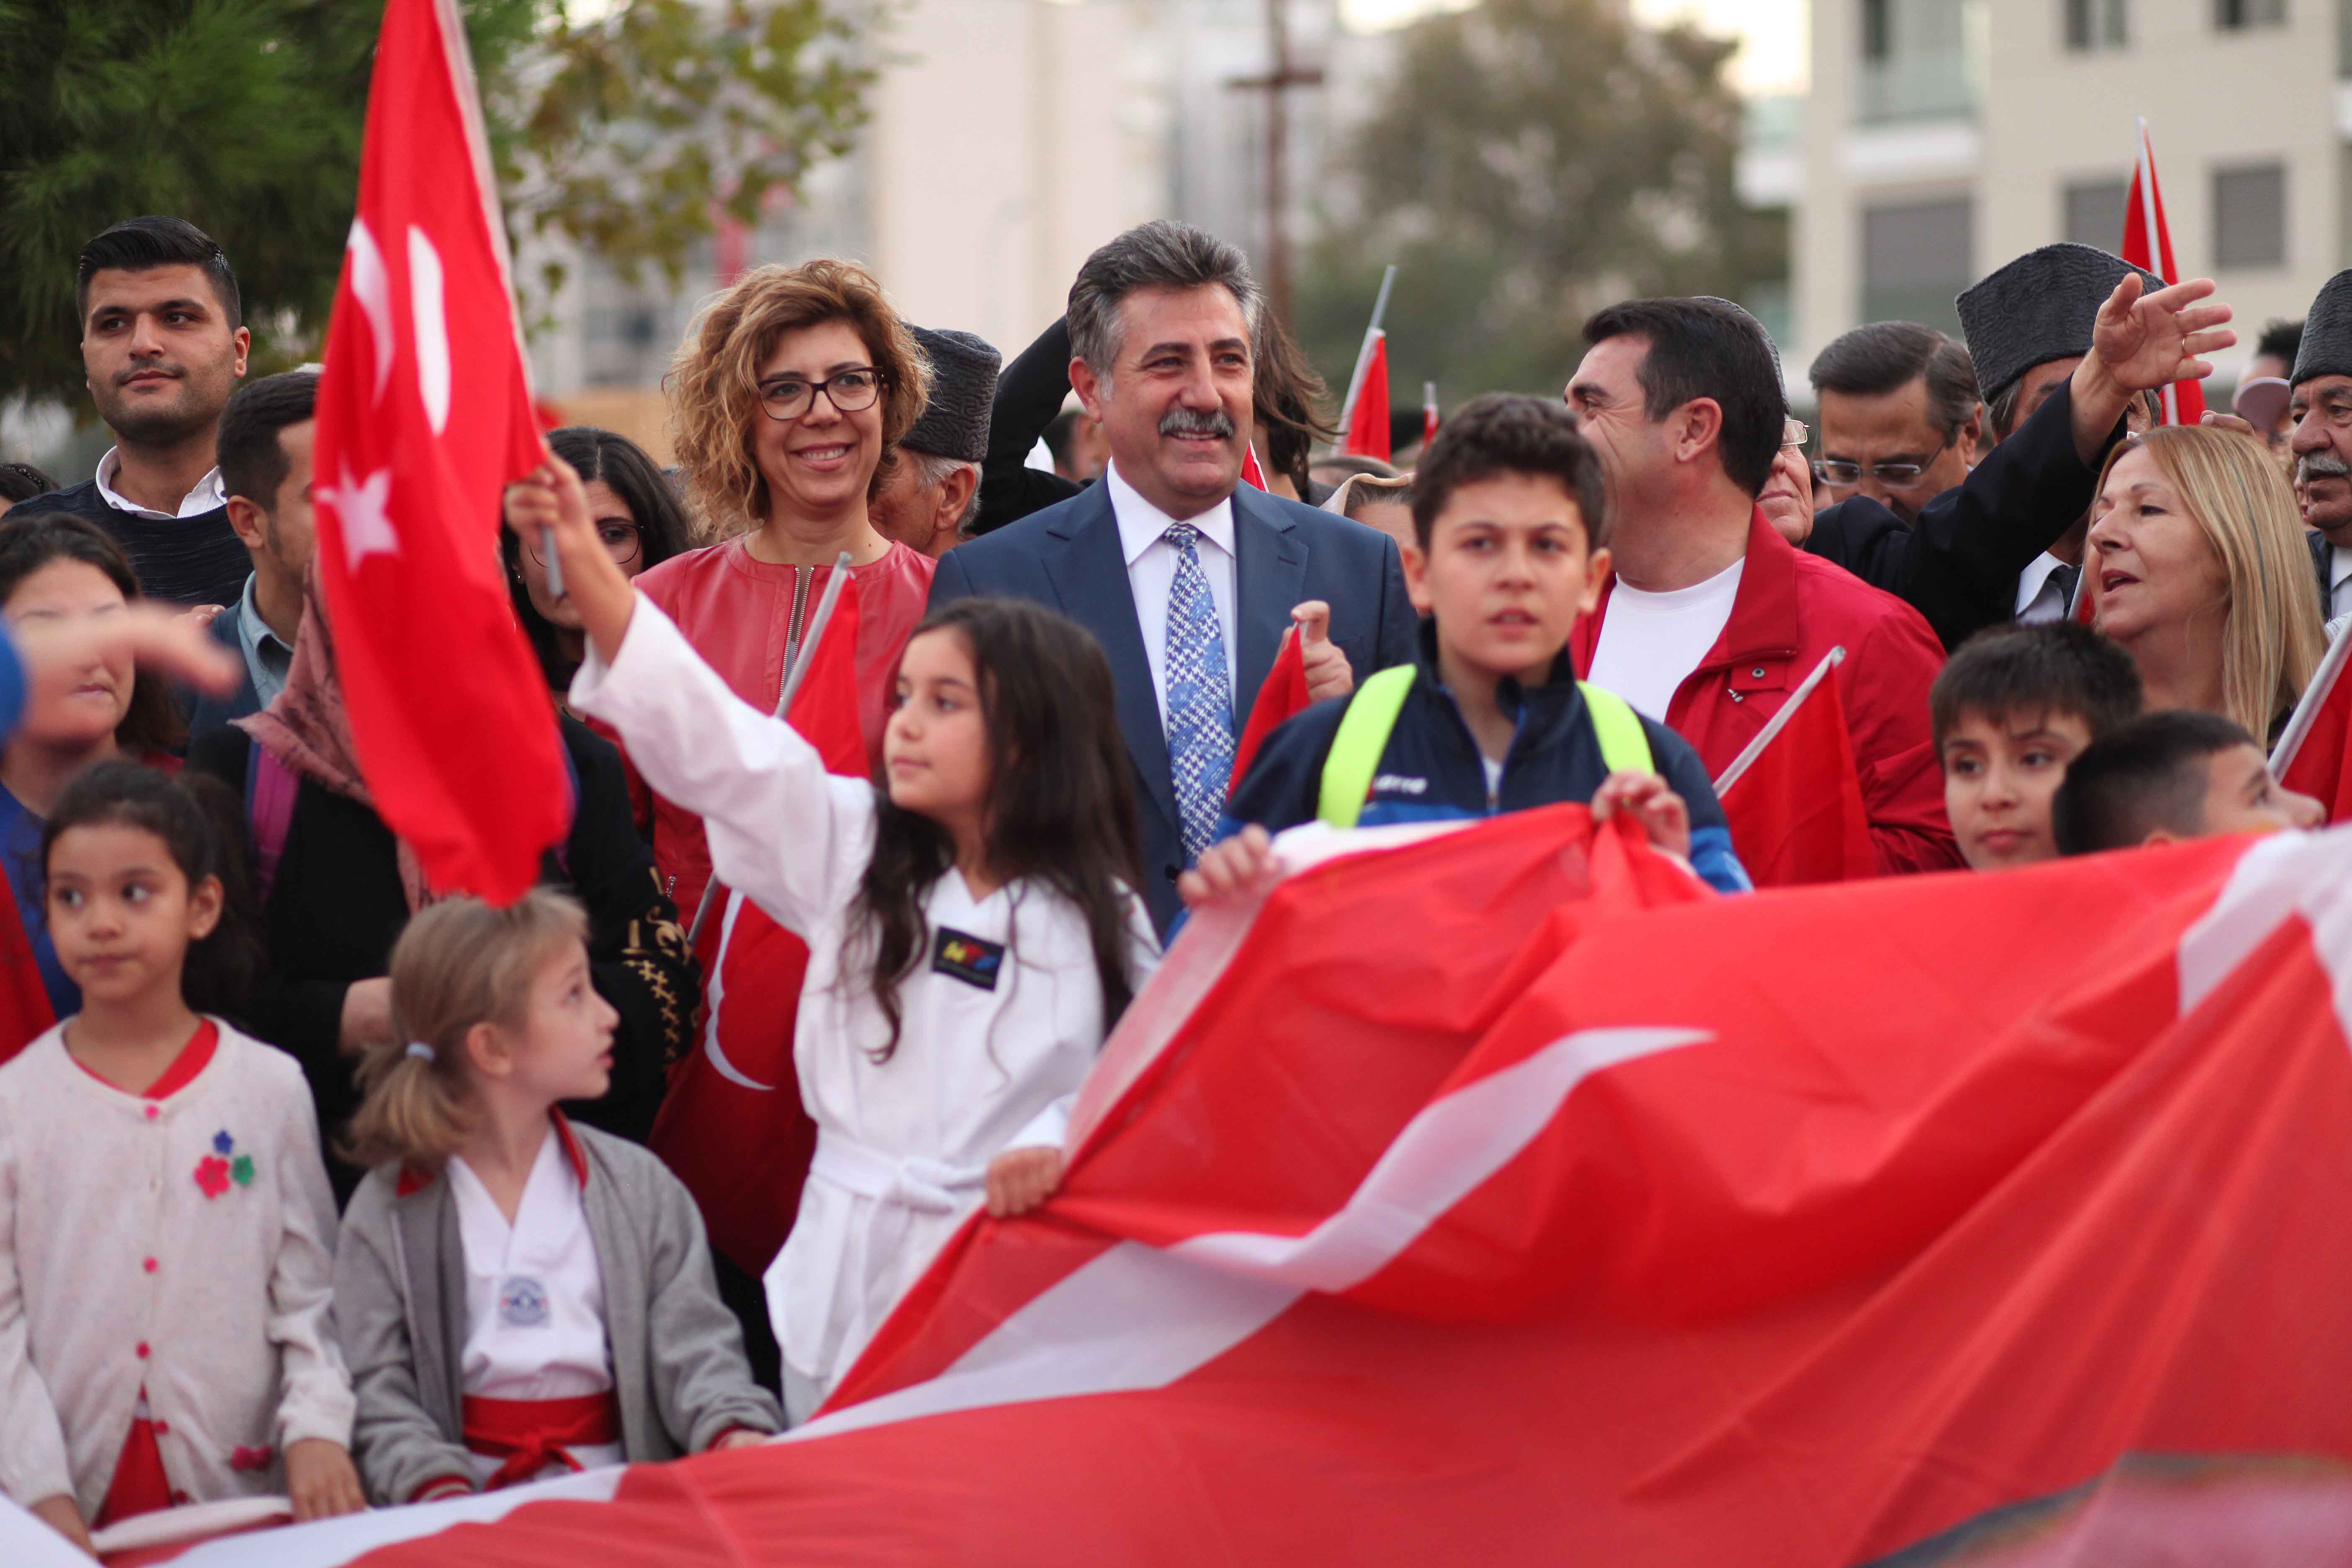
(1711, 619)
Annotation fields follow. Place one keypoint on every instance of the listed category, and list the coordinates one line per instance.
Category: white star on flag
(367, 525)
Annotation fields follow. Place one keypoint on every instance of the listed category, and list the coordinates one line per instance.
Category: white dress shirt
(2039, 599)
(2339, 582)
(1151, 574)
(207, 496)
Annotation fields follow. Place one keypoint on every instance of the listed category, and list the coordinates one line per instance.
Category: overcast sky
(1771, 32)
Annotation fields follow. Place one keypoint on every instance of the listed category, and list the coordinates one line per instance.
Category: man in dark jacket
(2060, 362)
(2320, 409)
(265, 466)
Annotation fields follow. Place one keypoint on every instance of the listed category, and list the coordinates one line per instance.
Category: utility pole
(1282, 75)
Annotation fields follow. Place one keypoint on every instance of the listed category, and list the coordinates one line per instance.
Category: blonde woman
(2198, 565)
(788, 399)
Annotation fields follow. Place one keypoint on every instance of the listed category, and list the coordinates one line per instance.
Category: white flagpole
(1777, 722)
(812, 639)
(2314, 698)
(1364, 355)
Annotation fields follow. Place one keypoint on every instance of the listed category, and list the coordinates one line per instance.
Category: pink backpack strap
(270, 787)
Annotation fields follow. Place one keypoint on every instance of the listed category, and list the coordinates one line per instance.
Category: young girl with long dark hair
(166, 1231)
(515, 1294)
(973, 926)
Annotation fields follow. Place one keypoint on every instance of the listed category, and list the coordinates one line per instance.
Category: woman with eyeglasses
(638, 518)
(787, 400)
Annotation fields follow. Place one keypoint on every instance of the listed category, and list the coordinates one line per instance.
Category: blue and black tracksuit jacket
(1432, 772)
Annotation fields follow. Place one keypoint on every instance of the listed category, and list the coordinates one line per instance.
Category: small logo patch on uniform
(968, 958)
(1400, 783)
(522, 1302)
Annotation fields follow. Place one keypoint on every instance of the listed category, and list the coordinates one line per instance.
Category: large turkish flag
(425, 416)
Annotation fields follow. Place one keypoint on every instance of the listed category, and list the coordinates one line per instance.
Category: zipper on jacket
(794, 626)
(1494, 790)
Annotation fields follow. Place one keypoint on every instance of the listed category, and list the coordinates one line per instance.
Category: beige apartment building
(1943, 137)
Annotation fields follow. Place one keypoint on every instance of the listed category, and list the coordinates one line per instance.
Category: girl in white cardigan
(972, 930)
(166, 1231)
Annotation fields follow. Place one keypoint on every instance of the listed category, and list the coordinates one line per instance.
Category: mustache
(2321, 466)
(176, 372)
(1192, 422)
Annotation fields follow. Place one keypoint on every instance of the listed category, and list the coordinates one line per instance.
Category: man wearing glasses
(1898, 416)
(2319, 409)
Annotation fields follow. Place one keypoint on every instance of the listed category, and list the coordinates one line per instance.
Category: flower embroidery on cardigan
(214, 1171)
(244, 1458)
(212, 1175)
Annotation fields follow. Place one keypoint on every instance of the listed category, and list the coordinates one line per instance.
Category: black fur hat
(954, 423)
(2039, 308)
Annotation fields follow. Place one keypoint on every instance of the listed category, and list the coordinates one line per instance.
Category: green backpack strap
(1625, 745)
(1355, 755)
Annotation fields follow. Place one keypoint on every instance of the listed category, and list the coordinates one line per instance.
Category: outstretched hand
(2147, 341)
(550, 498)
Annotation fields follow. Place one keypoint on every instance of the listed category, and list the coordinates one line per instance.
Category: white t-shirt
(1651, 642)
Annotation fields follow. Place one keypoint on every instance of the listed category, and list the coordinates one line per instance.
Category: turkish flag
(424, 415)
(1282, 693)
(1368, 425)
(25, 1014)
(2322, 766)
(1797, 814)
(1252, 475)
(2147, 245)
(731, 1125)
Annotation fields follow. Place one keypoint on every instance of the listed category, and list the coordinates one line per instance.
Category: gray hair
(931, 472)
(1161, 253)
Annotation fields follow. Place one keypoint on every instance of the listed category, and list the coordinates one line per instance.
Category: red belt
(531, 1433)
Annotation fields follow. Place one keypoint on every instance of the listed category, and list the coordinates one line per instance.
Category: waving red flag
(25, 1014)
(1368, 426)
(2315, 757)
(425, 416)
(2147, 245)
(1797, 814)
(1252, 475)
(731, 1126)
(1282, 694)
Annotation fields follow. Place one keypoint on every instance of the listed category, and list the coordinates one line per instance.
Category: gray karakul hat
(2327, 347)
(954, 423)
(2039, 308)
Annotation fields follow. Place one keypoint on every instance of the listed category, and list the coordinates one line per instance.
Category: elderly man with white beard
(2320, 413)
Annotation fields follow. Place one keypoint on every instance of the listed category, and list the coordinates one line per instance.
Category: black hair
(1510, 433)
(2281, 340)
(1061, 799)
(22, 481)
(1886, 356)
(2000, 413)
(2062, 667)
(144, 243)
(152, 723)
(662, 527)
(1707, 348)
(1288, 398)
(1057, 435)
(253, 464)
(2144, 776)
(200, 821)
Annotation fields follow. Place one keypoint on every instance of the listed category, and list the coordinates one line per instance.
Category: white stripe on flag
(2287, 874)
(1138, 1317)
(329, 1542)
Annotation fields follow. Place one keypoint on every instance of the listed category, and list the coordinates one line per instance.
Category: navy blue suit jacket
(1068, 557)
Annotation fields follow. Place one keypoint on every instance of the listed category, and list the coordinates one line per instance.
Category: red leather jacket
(1792, 609)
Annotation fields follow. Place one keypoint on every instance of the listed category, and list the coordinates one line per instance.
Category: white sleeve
(33, 1462)
(791, 836)
(315, 1398)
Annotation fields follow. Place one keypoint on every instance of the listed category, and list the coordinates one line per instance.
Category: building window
(2097, 24)
(2233, 15)
(2249, 216)
(2094, 213)
(1915, 258)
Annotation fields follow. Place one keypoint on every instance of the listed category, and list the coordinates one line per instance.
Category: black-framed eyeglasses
(622, 541)
(849, 391)
(1839, 474)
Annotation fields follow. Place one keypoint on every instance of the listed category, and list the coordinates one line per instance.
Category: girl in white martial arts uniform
(972, 932)
(166, 1230)
(516, 1294)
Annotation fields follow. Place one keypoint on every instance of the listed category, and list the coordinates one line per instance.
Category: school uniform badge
(522, 1302)
(970, 959)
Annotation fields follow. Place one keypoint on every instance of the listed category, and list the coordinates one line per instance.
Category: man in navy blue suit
(1186, 577)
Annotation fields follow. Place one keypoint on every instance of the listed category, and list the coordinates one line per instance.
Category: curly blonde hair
(2239, 497)
(714, 379)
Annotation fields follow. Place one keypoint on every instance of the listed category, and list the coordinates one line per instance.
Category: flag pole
(1364, 355)
(1779, 721)
(2314, 698)
(2145, 155)
(812, 639)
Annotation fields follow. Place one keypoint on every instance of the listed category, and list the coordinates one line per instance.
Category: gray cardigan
(400, 1312)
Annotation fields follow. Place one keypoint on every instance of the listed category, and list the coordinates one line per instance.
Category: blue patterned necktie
(1200, 698)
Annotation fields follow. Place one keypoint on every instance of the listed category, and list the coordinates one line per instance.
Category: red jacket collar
(414, 1177)
(1763, 624)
